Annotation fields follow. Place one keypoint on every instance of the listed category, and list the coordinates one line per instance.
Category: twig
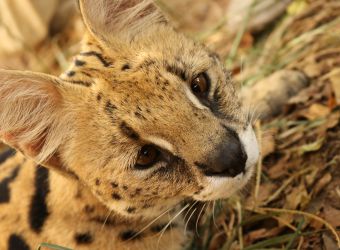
(309, 215)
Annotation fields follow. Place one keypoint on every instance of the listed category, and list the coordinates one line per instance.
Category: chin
(223, 187)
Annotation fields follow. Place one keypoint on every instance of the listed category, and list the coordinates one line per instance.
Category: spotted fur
(73, 180)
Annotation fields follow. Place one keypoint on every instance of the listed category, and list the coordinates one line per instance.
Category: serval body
(109, 152)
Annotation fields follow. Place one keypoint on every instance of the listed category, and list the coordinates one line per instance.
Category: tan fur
(130, 86)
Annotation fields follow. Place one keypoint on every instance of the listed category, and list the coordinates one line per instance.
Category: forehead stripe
(99, 56)
(128, 131)
(177, 71)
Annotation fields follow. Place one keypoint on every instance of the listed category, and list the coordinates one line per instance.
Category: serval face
(145, 117)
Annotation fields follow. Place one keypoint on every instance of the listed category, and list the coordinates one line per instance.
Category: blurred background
(285, 54)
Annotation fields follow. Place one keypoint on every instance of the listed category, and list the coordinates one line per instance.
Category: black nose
(229, 159)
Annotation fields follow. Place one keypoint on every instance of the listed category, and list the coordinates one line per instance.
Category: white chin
(224, 187)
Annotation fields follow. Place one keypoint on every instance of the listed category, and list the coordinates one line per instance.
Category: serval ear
(33, 115)
(110, 20)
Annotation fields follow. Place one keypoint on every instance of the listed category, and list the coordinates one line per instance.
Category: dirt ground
(293, 201)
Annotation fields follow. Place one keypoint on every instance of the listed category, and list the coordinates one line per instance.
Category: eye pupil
(196, 88)
(200, 84)
(147, 156)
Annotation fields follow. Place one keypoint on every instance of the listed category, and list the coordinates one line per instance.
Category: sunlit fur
(128, 87)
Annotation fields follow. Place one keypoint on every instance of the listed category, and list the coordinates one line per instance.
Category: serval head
(145, 117)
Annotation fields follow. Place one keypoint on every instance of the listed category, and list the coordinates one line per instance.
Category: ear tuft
(30, 111)
(112, 19)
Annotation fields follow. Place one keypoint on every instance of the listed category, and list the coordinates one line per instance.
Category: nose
(228, 160)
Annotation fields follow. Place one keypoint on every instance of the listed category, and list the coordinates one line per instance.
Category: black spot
(16, 242)
(131, 210)
(38, 211)
(109, 107)
(162, 227)
(139, 115)
(6, 155)
(128, 131)
(147, 63)
(176, 71)
(201, 165)
(116, 196)
(125, 187)
(89, 209)
(83, 238)
(114, 184)
(145, 206)
(97, 182)
(99, 97)
(4, 186)
(70, 73)
(79, 63)
(129, 235)
(99, 57)
(126, 67)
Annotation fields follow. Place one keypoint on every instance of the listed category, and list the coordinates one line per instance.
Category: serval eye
(200, 84)
(148, 155)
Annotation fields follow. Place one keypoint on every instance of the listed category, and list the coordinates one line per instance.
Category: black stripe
(177, 71)
(83, 238)
(128, 131)
(79, 63)
(99, 56)
(86, 84)
(5, 192)
(38, 212)
(6, 154)
(16, 242)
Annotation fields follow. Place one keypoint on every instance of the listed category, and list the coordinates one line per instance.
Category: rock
(269, 95)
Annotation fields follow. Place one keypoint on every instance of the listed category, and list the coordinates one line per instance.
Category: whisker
(197, 220)
(213, 214)
(187, 222)
(150, 223)
(193, 204)
(167, 225)
(106, 219)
